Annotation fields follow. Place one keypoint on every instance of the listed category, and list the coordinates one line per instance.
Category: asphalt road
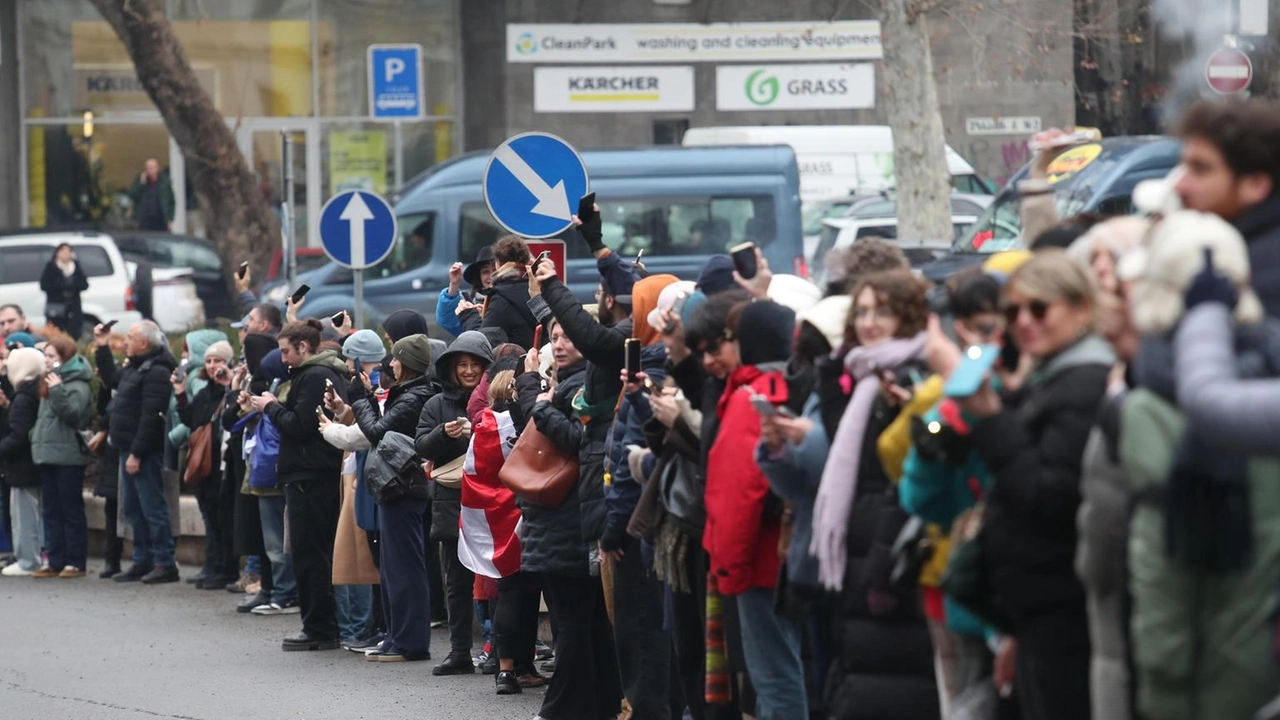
(93, 649)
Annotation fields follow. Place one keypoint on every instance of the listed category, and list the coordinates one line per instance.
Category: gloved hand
(593, 232)
(1210, 286)
(613, 538)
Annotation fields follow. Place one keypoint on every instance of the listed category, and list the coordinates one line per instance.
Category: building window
(669, 132)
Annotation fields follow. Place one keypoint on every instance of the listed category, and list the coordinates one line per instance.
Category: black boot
(458, 663)
(109, 571)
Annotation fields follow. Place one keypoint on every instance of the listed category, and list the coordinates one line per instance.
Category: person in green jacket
(58, 449)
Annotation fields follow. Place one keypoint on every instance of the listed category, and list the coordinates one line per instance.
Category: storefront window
(255, 58)
(78, 180)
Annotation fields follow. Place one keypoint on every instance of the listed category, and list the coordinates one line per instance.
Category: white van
(835, 160)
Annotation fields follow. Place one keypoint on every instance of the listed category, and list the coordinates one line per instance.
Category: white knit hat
(829, 316)
(24, 364)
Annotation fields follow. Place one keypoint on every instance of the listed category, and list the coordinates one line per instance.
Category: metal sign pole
(399, 157)
(358, 280)
(290, 243)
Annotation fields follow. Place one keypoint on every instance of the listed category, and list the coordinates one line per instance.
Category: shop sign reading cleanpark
(625, 88)
(795, 87)
(674, 42)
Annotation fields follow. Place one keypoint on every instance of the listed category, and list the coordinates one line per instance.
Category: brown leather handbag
(200, 452)
(539, 471)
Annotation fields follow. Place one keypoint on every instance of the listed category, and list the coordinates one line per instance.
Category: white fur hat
(1175, 256)
(24, 364)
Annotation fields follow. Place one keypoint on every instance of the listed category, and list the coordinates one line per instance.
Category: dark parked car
(163, 250)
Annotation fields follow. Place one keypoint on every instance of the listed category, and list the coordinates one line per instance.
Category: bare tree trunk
(239, 220)
(919, 146)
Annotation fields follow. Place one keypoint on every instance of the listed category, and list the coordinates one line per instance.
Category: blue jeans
(771, 648)
(253, 564)
(354, 604)
(28, 528)
(147, 512)
(284, 586)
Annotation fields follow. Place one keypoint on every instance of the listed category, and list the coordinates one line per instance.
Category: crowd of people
(1046, 488)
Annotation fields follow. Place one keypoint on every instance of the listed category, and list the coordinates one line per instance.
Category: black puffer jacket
(1035, 450)
(141, 402)
(430, 439)
(509, 309)
(16, 465)
(400, 413)
(551, 538)
(201, 411)
(603, 348)
(305, 457)
(885, 665)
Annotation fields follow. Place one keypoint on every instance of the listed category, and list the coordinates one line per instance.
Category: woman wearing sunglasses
(1032, 442)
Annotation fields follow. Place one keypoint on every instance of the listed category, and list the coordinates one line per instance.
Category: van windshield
(661, 226)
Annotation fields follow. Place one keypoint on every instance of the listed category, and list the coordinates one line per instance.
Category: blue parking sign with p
(395, 82)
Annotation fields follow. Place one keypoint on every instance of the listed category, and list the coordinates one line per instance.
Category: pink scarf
(840, 475)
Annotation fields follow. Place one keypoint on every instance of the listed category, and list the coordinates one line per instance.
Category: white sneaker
(274, 609)
(16, 570)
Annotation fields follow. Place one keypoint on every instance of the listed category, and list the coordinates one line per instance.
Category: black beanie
(403, 323)
(766, 332)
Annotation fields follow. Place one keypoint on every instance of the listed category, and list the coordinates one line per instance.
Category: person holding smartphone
(204, 408)
(454, 300)
(442, 436)
(507, 304)
(643, 657)
(309, 469)
(886, 327)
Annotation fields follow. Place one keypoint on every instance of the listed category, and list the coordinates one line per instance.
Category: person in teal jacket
(60, 452)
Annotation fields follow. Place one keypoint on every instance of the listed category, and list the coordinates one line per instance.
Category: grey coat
(1103, 522)
(1236, 415)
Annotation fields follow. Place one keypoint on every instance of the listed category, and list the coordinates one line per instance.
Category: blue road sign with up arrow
(358, 229)
(395, 82)
(532, 184)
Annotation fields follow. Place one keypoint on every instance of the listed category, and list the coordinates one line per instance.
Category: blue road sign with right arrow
(532, 184)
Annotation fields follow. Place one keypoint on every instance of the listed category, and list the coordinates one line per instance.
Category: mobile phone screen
(244, 268)
(300, 293)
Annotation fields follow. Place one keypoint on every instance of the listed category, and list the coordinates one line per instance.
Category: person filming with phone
(441, 438)
(309, 468)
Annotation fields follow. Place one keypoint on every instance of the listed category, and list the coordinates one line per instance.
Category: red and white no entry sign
(1228, 71)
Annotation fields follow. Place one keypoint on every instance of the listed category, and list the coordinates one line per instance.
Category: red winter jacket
(743, 545)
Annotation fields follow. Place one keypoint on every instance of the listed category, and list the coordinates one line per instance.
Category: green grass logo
(762, 89)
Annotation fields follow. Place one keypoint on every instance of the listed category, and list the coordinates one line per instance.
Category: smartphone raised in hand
(537, 338)
(300, 293)
(339, 318)
(968, 377)
(632, 346)
(106, 327)
(538, 260)
(587, 208)
(744, 260)
(244, 268)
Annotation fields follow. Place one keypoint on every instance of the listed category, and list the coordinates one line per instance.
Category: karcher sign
(795, 87)
(628, 88)
(665, 43)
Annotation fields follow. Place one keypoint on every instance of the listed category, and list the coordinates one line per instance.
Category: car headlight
(276, 294)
